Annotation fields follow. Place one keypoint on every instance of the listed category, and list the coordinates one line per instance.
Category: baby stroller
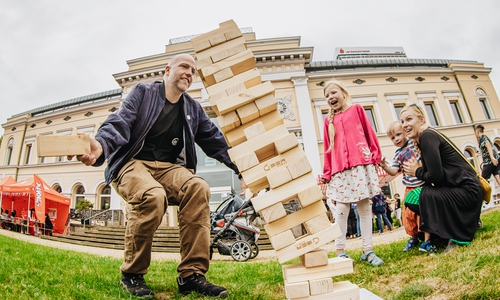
(232, 229)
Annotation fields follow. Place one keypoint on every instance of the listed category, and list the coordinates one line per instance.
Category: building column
(307, 122)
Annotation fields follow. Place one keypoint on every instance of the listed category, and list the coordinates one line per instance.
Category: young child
(351, 155)
(405, 151)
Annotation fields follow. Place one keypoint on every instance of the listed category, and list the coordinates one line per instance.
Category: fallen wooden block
(343, 290)
(62, 145)
(336, 266)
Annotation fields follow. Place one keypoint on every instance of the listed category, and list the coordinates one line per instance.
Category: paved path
(387, 237)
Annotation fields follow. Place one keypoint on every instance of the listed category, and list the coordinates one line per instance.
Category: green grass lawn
(29, 271)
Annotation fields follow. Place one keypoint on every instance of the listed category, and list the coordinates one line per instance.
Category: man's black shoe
(198, 283)
(135, 284)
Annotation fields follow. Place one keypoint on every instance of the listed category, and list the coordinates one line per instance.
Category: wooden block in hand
(62, 145)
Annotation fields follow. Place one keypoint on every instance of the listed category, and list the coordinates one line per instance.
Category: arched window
(105, 197)
(483, 102)
(8, 153)
(469, 154)
(57, 188)
(79, 194)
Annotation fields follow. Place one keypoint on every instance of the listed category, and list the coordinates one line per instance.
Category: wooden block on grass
(336, 266)
(62, 145)
(320, 286)
(343, 290)
(297, 289)
(315, 258)
(308, 243)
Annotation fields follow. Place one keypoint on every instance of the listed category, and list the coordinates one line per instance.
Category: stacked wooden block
(269, 157)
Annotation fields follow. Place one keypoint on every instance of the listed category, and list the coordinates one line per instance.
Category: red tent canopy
(35, 193)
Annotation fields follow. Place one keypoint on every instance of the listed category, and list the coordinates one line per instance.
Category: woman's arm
(430, 149)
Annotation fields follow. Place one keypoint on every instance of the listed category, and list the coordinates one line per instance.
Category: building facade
(455, 94)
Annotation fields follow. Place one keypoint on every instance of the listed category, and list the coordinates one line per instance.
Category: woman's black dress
(451, 199)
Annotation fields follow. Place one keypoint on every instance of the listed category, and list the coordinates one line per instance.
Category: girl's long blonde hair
(331, 114)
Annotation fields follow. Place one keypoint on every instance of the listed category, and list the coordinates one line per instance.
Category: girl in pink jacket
(351, 157)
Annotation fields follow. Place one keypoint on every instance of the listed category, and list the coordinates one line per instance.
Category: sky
(56, 50)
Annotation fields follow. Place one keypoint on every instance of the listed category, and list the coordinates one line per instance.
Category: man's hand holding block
(62, 145)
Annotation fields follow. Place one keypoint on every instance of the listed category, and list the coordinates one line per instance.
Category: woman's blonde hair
(331, 114)
(418, 111)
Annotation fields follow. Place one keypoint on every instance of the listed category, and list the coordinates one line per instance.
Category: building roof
(380, 62)
(72, 102)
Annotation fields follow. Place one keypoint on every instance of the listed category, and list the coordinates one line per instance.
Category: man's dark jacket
(123, 133)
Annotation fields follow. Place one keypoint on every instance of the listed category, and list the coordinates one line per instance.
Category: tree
(85, 207)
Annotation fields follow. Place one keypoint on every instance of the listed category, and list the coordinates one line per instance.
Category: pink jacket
(356, 142)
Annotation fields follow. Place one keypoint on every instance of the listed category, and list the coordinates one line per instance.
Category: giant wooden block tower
(269, 157)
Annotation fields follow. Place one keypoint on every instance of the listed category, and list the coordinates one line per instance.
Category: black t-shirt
(165, 140)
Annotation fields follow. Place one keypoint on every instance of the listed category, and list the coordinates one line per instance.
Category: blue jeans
(381, 216)
(358, 222)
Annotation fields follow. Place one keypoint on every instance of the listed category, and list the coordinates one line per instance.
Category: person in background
(354, 206)
(379, 208)
(47, 226)
(405, 151)
(149, 144)
(450, 201)
(351, 157)
(397, 209)
(489, 154)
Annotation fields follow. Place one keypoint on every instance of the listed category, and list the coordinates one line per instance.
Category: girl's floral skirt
(353, 185)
